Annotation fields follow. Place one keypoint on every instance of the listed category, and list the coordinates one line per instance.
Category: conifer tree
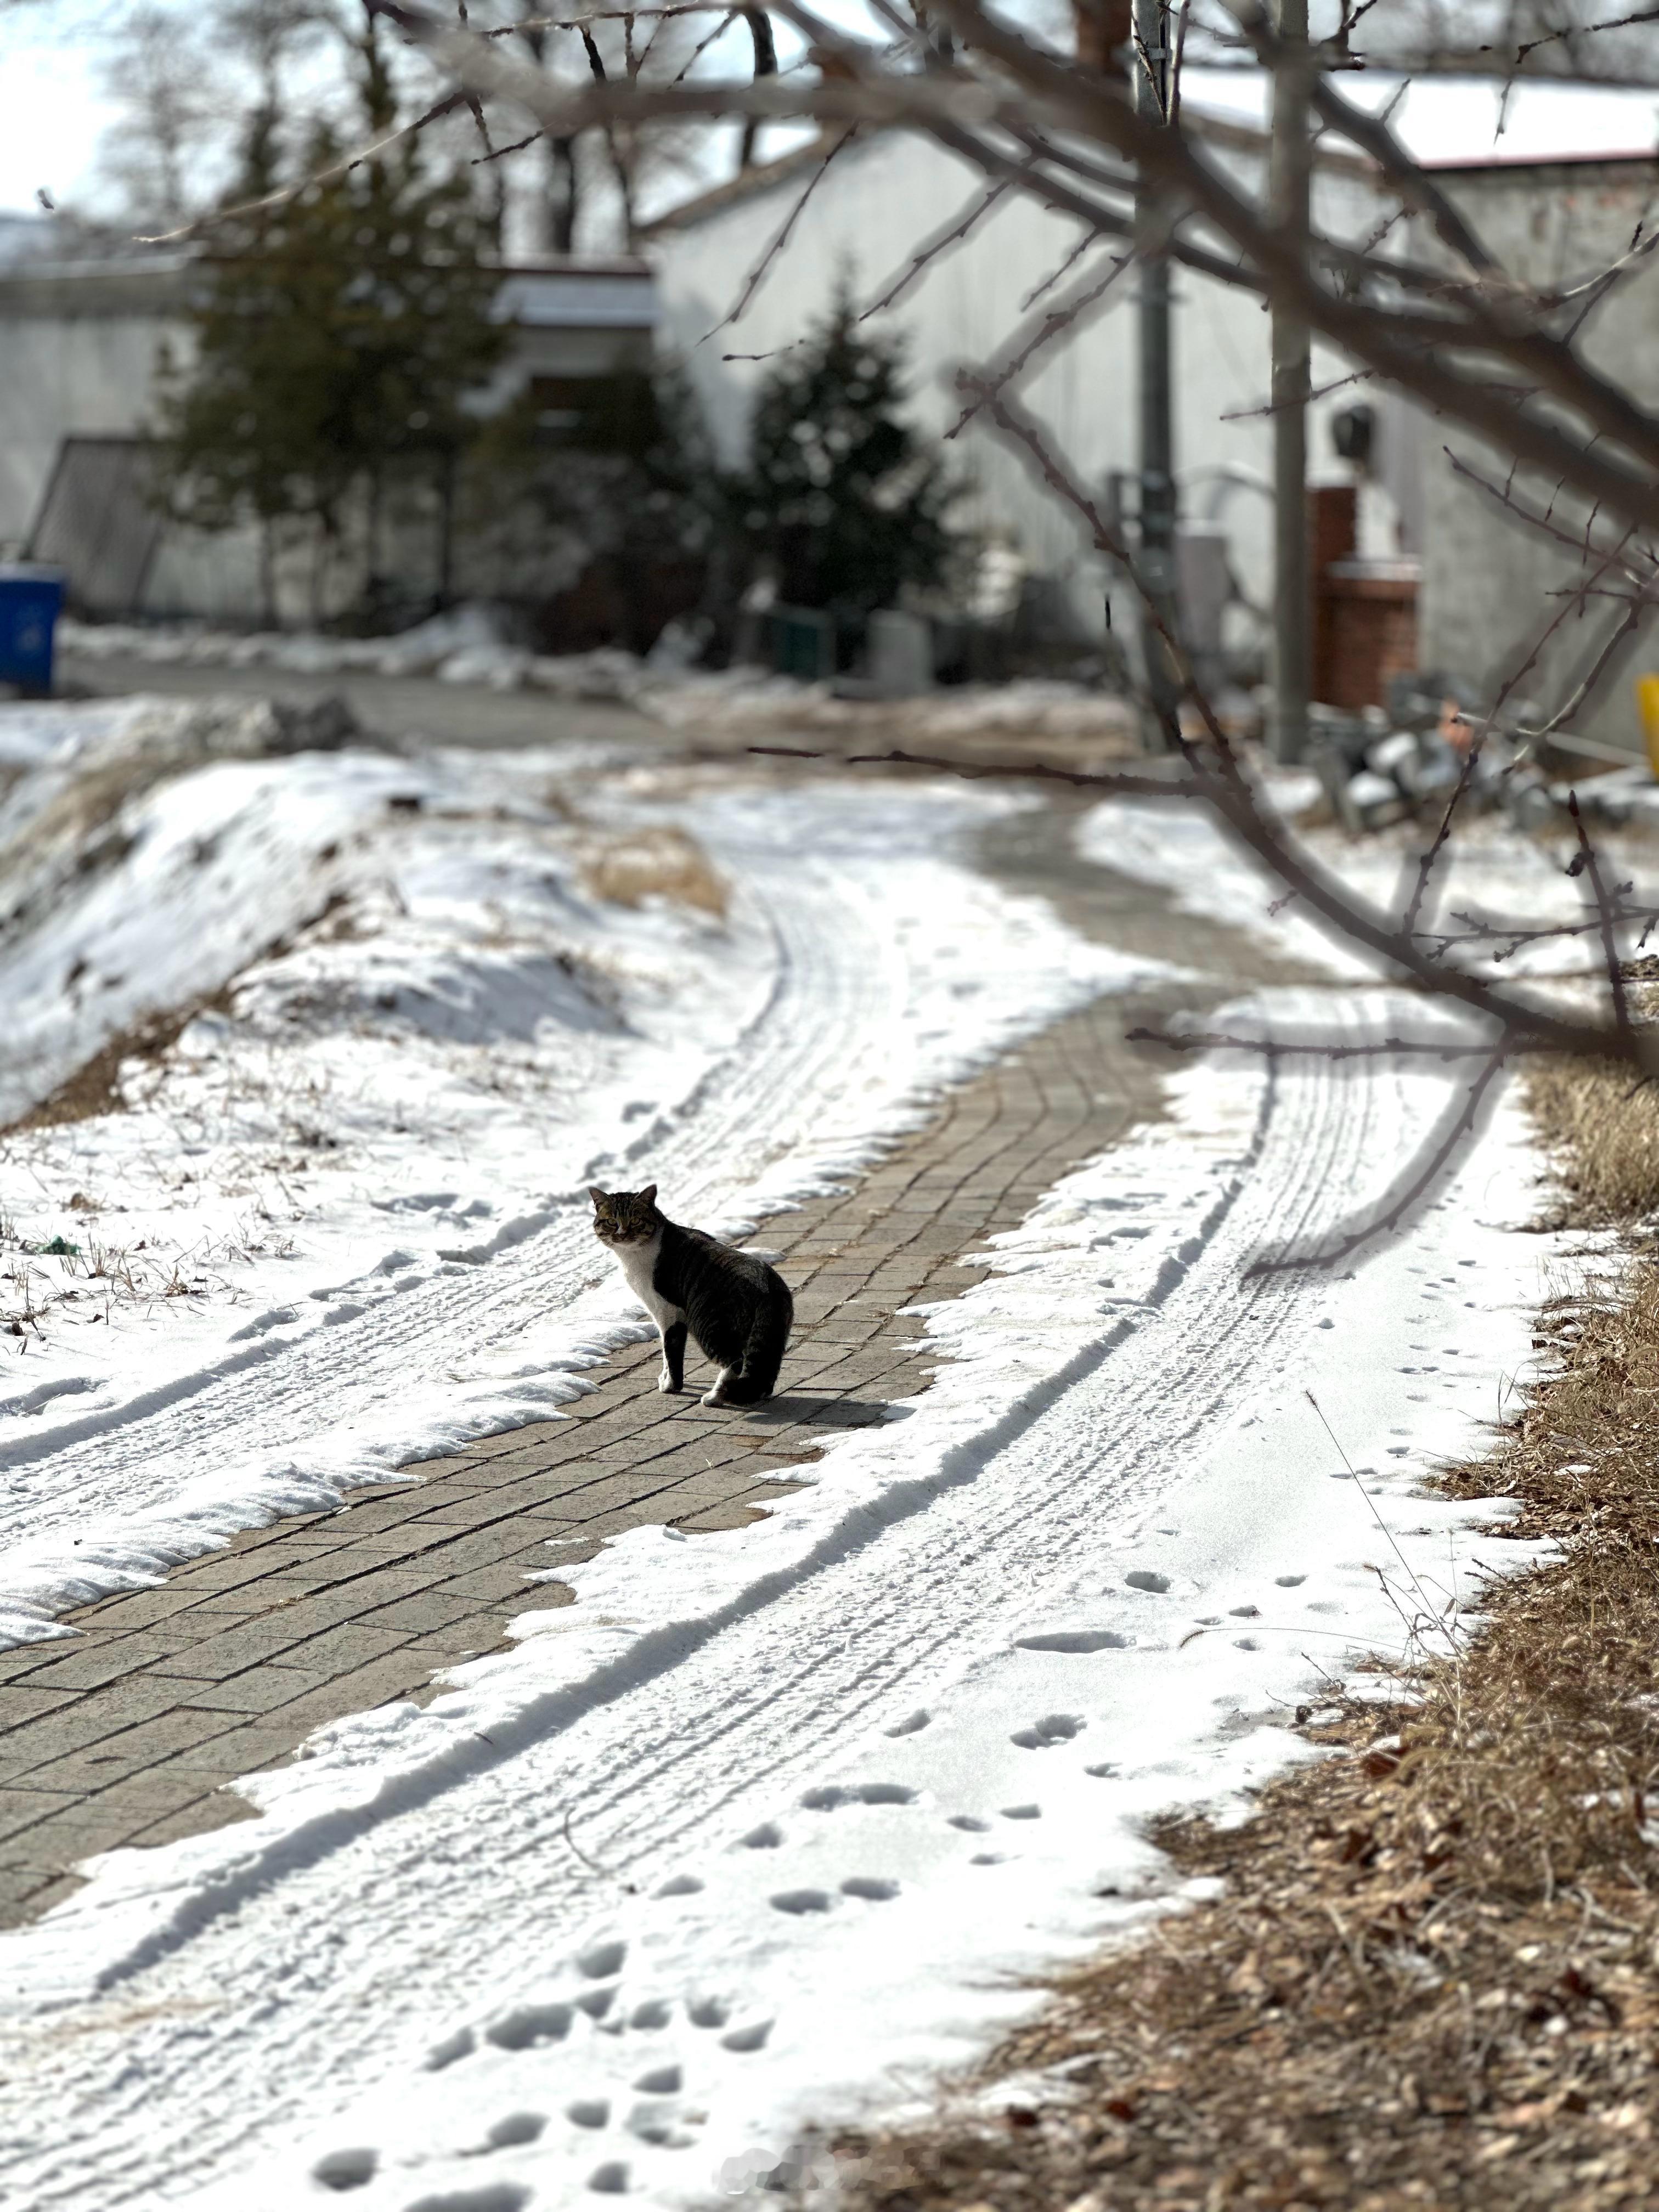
(339, 335)
(843, 500)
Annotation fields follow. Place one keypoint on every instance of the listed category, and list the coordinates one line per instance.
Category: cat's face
(625, 1216)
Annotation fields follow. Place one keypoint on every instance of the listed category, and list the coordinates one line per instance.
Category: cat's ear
(649, 1194)
(596, 1193)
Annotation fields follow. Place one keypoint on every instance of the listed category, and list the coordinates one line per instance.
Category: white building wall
(1492, 584)
(93, 373)
(873, 209)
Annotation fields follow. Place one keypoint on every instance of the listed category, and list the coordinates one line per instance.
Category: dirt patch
(664, 862)
(95, 1088)
(1432, 1978)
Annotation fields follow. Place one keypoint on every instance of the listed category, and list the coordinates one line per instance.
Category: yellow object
(1647, 701)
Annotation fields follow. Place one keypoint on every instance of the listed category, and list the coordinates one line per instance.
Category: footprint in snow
(1021, 1812)
(833, 1795)
(610, 2180)
(494, 2196)
(766, 1838)
(656, 2124)
(1052, 1729)
(969, 1821)
(525, 2026)
(1079, 1640)
(652, 2014)
(681, 1885)
(601, 1959)
(588, 2112)
(346, 2169)
(910, 1724)
(1143, 1578)
(517, 2128)
(870, 1887)
(279, 1317)
(802, 1900)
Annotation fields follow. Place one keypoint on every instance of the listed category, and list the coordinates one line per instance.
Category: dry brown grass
(664, 862)
(1432, 1977)
(1602, 1131)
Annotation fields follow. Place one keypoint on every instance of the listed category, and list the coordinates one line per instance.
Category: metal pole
(1153, 28)
(1290, 169)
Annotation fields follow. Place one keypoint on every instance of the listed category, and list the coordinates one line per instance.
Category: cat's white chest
(639, 1265)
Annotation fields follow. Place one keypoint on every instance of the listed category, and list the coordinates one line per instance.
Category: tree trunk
(1288, 186)
(1152, 78)
(563, 196)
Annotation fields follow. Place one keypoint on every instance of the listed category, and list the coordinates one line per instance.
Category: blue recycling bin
(30, 600)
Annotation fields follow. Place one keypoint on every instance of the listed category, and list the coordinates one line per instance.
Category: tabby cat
(738, 1310)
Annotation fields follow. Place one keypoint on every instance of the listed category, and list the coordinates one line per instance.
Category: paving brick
(89, 1664)
(26, 1893)
(146, 1744)
(142, 1608)
(260, 1690)
(239, 1750)
(216, 1657)
(22, 1808)
(198, 1818)
(347, 1646)
(420, 1615)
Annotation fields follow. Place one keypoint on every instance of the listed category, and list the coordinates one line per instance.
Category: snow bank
(1491, 872)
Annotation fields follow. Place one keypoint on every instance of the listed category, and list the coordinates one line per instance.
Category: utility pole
(1154, 77)
(1289, 170)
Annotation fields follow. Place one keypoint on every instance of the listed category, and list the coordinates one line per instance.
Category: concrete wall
(1490, 583)
(873, 207)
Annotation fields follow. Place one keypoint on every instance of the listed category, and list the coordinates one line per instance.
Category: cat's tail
(762, 1353)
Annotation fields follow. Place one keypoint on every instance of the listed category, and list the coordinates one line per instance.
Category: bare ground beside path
(130, 1733)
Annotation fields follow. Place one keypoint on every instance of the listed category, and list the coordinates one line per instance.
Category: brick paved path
(128, 1733)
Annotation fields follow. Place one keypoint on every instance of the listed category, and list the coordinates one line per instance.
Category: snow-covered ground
(767, 1825)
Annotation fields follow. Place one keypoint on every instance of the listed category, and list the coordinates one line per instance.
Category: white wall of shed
(873, 209)
(1491, 583)
(69, 375)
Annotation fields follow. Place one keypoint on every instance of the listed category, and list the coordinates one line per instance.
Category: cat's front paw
(668, 1386)
(716, 1397)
